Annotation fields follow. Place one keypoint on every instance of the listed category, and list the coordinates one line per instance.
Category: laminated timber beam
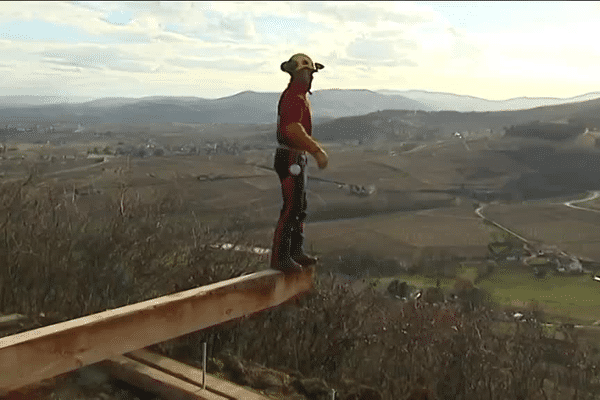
(156, 381)
(173, 380)
(32, 356)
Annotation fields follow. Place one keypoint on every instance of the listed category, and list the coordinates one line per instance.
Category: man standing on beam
(294, 135)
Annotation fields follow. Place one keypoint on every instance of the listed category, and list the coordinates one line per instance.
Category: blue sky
(494, 50)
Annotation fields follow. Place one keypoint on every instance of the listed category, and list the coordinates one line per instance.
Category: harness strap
(283, 146)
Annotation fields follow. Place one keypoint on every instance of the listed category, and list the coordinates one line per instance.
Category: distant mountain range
(247, 107)
(406, 125)
(242, 108)
(29, 100)
(439, 101)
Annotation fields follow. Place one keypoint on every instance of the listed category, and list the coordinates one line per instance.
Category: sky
(493, 50)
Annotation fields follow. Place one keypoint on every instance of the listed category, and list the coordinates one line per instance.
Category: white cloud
(233, 22)
(221, 64)
(368, 13)
(170, 46)
(566, 53)
(378, 52)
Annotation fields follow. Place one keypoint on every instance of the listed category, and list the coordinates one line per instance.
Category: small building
(361, 191)
(588, 139)
(569, 265)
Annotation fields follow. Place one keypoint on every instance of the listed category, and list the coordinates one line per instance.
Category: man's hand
(322, 158)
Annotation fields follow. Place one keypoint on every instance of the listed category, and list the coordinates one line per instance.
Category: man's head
(301, 69)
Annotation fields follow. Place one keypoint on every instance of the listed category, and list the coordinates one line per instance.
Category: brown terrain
(405, 209)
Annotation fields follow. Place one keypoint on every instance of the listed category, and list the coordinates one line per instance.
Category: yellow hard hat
(300, 61)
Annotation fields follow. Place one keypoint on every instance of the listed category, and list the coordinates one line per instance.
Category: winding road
(594, 195)
(77, 169)
(479, 213)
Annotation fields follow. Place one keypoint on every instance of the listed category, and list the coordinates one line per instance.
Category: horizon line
(377, 91)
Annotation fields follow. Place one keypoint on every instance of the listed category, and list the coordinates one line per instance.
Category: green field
(573, 299)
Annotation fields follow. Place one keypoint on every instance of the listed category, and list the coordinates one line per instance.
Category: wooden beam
(155, 381)
(194, 375)
(11, 321)
(32, 356)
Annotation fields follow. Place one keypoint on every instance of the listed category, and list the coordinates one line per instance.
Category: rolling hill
(439, 101)
(403, 125)
(242, 108)
(338, 115)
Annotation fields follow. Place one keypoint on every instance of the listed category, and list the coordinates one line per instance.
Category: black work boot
(297, 248)
(305, 260)
(280, 254)
(287, 266)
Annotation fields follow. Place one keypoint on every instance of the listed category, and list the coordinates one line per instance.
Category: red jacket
(294, 106)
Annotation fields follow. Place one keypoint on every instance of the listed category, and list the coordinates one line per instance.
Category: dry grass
(364, 337)
(64, 262)
(59, 260)
(574, 231)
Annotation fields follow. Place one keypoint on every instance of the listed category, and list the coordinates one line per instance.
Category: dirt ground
(394, 220)
(399, 220)
(574, 231)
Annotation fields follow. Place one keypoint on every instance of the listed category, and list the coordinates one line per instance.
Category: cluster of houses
(10, 129)
(152, 148)
(463, 294)
(540, 258)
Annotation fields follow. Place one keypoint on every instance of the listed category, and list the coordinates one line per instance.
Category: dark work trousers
(289, 233)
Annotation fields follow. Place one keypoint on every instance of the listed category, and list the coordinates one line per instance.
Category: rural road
(479, 213)
(416, 149)
(428, 146)
(428, 213)
(64, 171)
(594, 195)
(82, 168)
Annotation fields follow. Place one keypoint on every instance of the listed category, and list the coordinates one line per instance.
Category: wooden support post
(42, 353)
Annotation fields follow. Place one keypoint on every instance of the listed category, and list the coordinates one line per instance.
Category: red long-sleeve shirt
(293, 107)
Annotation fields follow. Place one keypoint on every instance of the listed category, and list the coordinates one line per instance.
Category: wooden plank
(32, 356)
(194, 375)
(155, 381)
(11, 321)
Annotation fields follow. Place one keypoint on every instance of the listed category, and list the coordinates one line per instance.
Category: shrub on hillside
(370, 339)
(57, 260)
(60, 261)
